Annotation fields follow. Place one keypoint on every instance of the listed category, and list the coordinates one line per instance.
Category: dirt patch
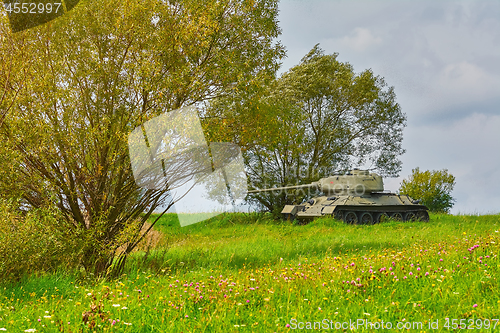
(150, 241)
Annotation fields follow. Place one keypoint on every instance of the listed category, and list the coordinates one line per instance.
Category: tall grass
(228, 275)
(231, 241)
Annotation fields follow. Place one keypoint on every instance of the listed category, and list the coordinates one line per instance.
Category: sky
(443, 59)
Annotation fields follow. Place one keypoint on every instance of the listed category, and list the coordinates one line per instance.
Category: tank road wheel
(410, 217)
(366, 218)
(380, 218)
(338, 215)
(350, 218)
(397, 216)
(422, 215)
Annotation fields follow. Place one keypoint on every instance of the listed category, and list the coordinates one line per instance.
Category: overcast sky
(442, 57)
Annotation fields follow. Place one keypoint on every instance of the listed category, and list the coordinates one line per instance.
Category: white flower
(47, 317)
(3, 329)
(30, 330)
(116, 305)
(127, 323)
(124, 308)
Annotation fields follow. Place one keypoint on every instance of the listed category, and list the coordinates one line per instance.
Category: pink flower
(474, 306)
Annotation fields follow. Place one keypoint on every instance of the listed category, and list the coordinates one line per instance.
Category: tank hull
(364, 209)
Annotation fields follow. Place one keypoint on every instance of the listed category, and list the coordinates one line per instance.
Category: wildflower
(127, 323)
(474, 306)
(30, 330)
(116, 305)
(124, 308)
(287, 325)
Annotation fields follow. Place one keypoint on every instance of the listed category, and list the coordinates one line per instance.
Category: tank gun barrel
(315, 184)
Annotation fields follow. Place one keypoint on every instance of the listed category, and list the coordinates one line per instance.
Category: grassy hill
(248, 273)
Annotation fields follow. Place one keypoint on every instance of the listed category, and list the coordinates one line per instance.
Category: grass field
(248, 273)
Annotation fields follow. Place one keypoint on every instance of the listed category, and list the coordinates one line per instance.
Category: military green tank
(356, 197)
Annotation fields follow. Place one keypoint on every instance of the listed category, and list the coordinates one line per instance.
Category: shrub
(34, 242)
(433, 188)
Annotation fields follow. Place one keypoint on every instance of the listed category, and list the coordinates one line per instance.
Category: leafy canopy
(91, 76)
(432, 187)
(318, 118)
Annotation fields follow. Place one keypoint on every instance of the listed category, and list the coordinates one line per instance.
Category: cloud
(468, 148)
(442, 58)
(360, 39)
(467, 81)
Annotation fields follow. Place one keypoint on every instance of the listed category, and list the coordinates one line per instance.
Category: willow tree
(100, 71)
(318, 118)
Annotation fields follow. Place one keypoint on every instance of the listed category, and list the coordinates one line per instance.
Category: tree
(433, 188)
(100, 71)
(318, 118)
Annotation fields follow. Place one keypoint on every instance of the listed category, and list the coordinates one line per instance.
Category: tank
(356, 197)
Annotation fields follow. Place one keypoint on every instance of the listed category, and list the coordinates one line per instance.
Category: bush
(433, 188)
(33, 242)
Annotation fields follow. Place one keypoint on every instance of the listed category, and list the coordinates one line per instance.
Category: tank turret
(355, 197)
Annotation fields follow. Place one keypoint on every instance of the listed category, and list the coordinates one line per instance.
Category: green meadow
(248, 273)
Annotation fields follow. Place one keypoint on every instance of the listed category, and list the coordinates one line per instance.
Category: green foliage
(432, 187)
(34, 242)
(260, 278)
(318, 118)
(89, 78)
